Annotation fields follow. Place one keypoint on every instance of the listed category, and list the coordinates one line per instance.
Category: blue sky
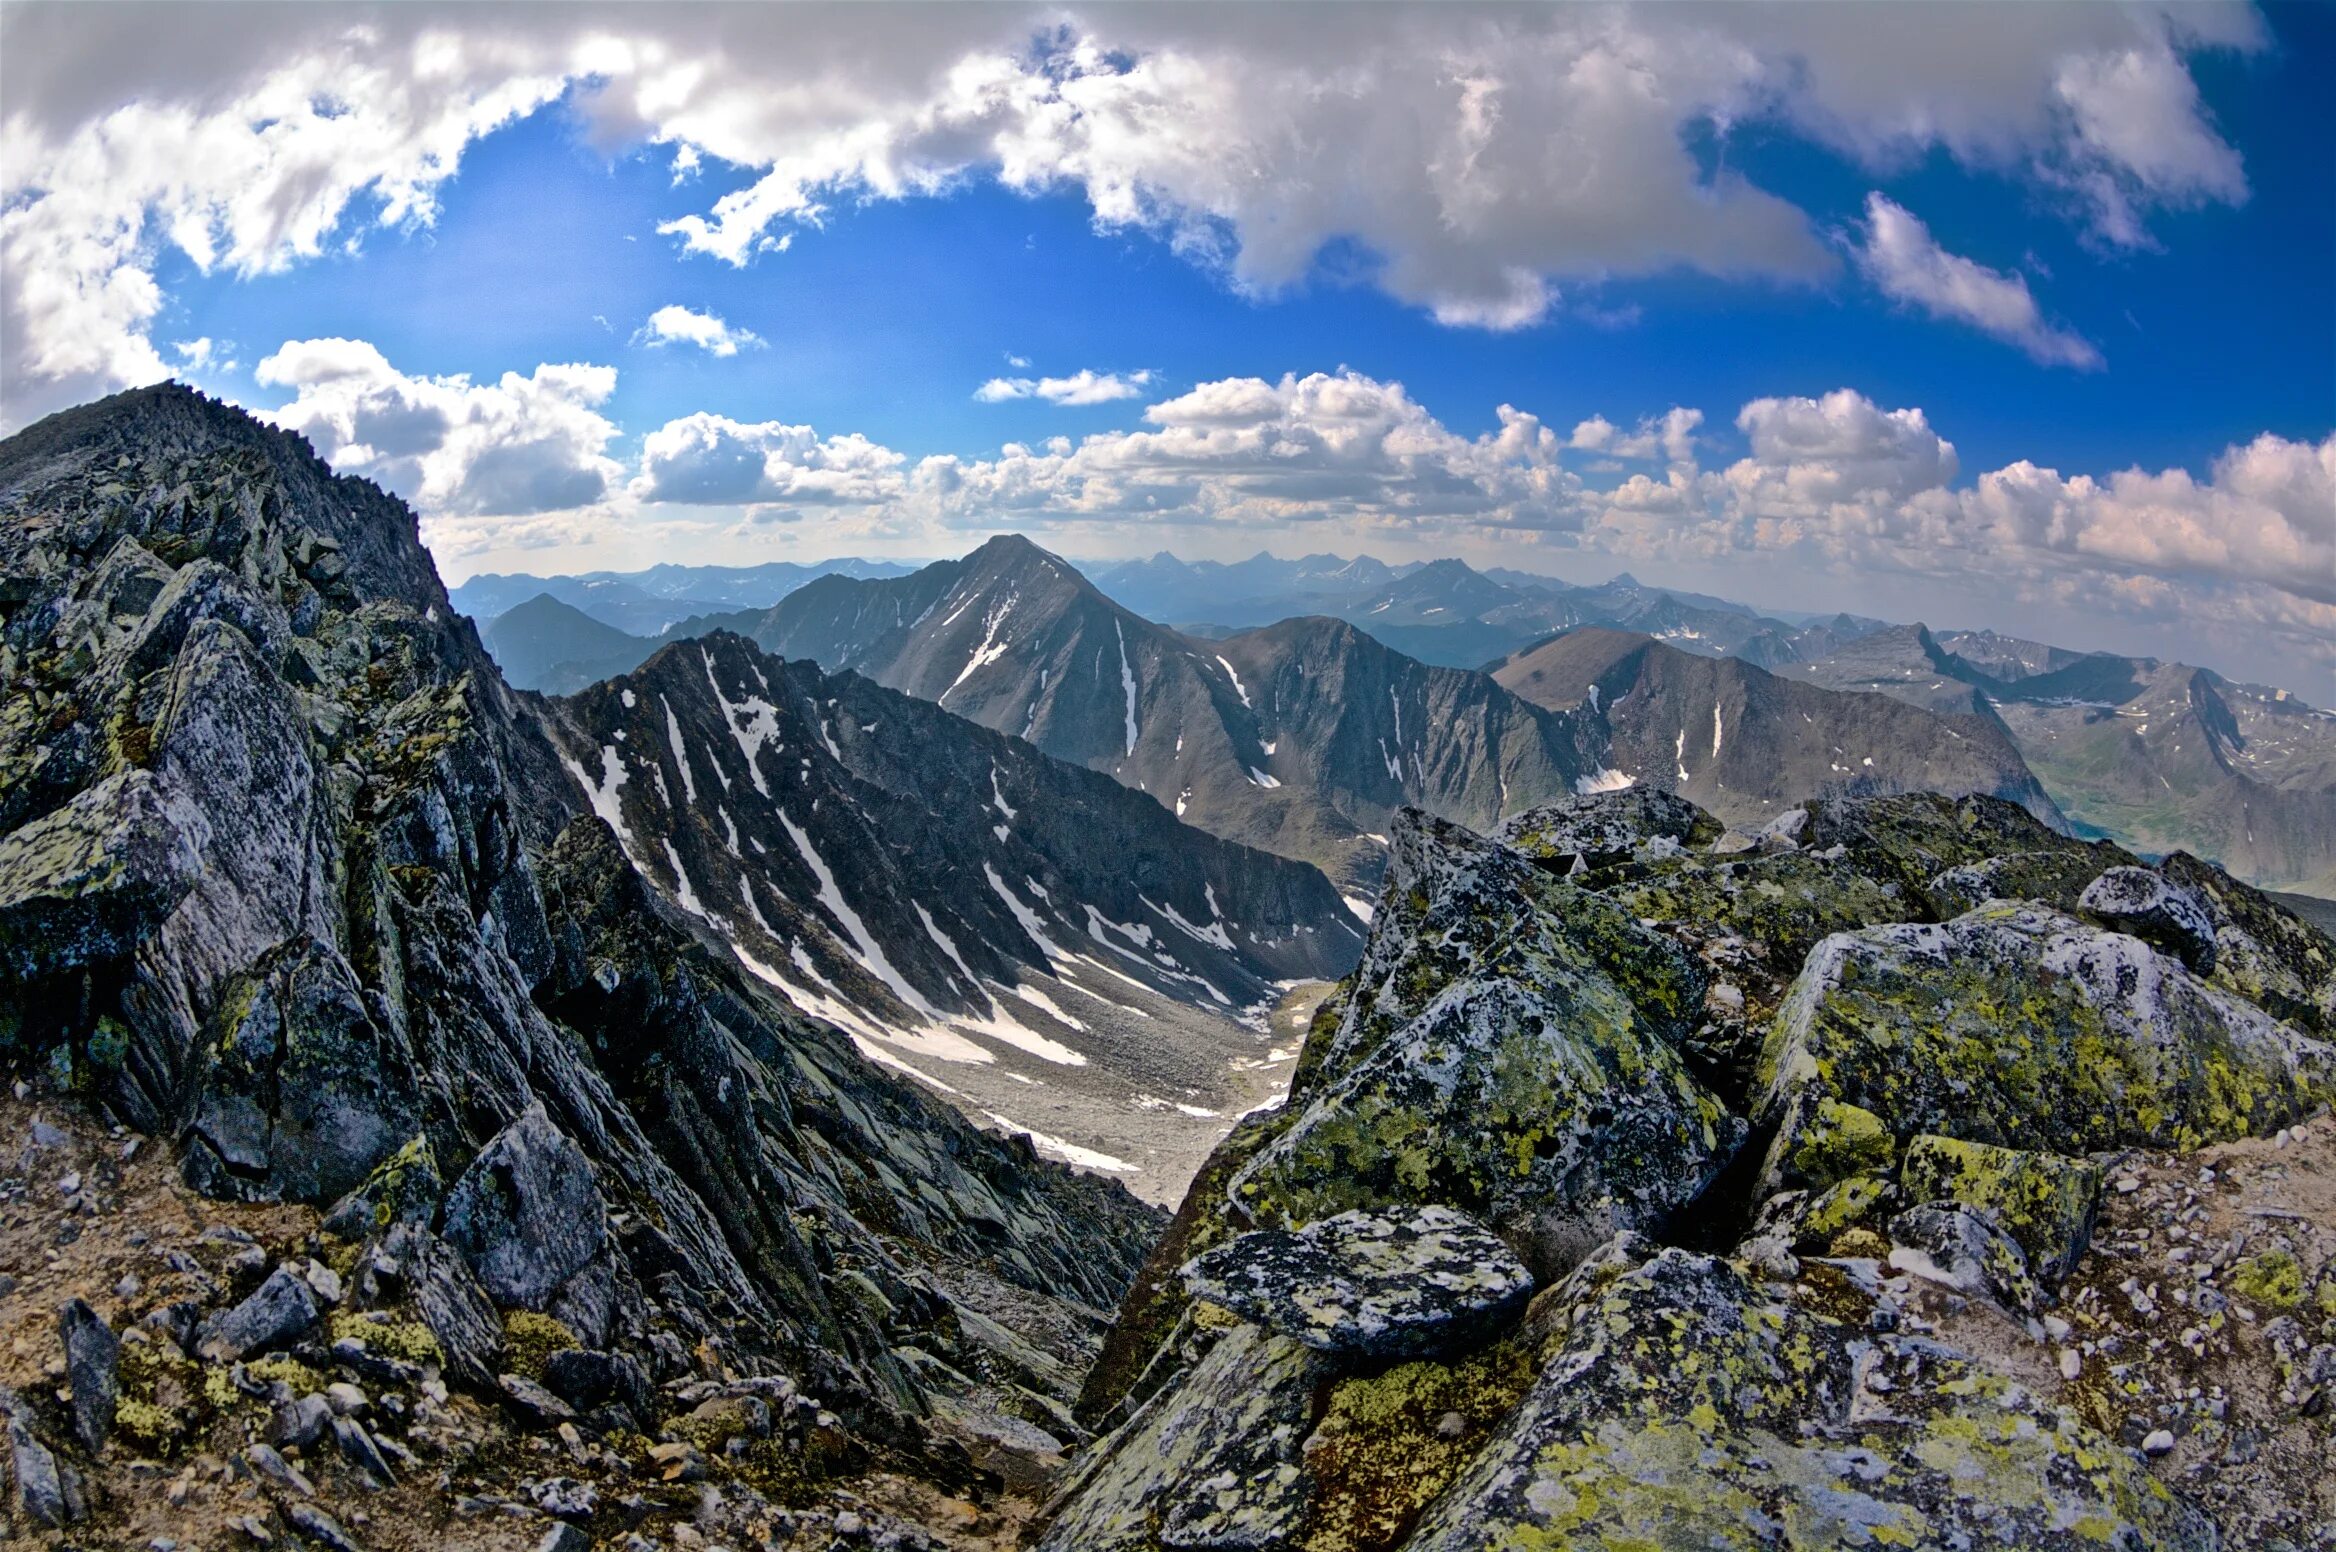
(2084, 239)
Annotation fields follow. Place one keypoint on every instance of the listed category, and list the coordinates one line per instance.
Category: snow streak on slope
(1127, 680)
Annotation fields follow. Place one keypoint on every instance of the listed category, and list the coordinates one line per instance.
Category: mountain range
(2247, 781)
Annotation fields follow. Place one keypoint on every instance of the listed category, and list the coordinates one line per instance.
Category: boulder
(85, 882)
(1600, 829)
(527, 1214)
(2156, 910)
(411, 1261)
(1214, 1462)
(1398, 1285)
(1510, 1050)
(2043, 1201)
(93, 1368)
(2019, 1026)
(1966, 1251)
(279, 1313)
(1688, 1407)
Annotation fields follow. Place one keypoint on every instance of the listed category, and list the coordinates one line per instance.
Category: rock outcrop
(290, 879)
(1822, 1133)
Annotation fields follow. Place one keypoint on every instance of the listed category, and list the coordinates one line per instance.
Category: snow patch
(1127, 681)
(1604, 779)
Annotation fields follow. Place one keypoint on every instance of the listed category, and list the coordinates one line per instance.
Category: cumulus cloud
(674, 324)
(517, 446)
(1902, 259)
(710, 460)
(1082, 387)
(1480, 159)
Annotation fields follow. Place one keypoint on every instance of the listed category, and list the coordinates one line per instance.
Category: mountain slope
(650, 602)
(1746, 743)
(966, 906)
(1017, 640)
(2161, 757)
(544, 644)
(292, 882)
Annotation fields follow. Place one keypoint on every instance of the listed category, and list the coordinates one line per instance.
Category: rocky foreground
(387, 1163)
(1906, 1175)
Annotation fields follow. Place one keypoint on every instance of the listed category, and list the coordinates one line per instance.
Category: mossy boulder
(1599, 829)
(1381, 1286)
(1511, 1049)
(1216, 1461)
(2019, 1026)
(2044, 1201)
(1688, 1407)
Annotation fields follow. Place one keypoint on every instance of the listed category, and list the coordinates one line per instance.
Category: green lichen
(2273, 1279)
(304, 1380)
(147, 1427)
(530, 1338)
(1389, 1444)
(1842, 1141)
(408, 1340)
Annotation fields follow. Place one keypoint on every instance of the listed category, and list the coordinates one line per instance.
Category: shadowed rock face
(1889, 1104)
(289, 876)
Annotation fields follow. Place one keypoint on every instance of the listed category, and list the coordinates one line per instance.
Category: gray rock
(266, 1463)
(299, 1423)
(279, 1313)
(85, 882)
(1687, 1407)
(2151, 907)
(1217, 1461)
(413, 1261)
(1966, 1251)
(533, 1402)
(1399, 1285)
(93, 1365)
(2021, 1027)
(1603, 828)
(48, 1491)
(321, 1528)
(564, 1537)
(359, 1450)
(527, 1214)
(586, 1378)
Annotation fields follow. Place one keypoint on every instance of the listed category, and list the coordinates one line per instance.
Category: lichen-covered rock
(2143, 902)
(1686, 1407)
(2044, 1201)
(1597, 830)
(85, 882)
(1215, 1463)
(1509, 1050)
(2022, 1027)
(1383, 1286)
(2263, 951)
(2056, 876)
(527, 1214)
(1966, 1251)
(410, 1262)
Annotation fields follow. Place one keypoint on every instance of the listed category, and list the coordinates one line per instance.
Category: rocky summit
(444, 1117)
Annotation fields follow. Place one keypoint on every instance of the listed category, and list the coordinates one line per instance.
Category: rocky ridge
(1878, 1185)
(290, 881)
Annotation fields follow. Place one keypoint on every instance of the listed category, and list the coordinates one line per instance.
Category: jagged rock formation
(1019, 930)
(290, 879)
(1810, 1157)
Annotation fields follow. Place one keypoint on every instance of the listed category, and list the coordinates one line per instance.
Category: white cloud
(674, 324)
(710, 460)
(1480, 159)
(517, 446)
(1905, 262)
(1083, 387)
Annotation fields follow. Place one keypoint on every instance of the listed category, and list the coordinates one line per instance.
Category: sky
(2015, 316)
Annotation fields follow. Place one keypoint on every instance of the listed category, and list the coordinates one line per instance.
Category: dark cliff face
(289, 876)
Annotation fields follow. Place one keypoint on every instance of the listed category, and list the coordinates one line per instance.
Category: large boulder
(1510, 1049)
(1688, 1407)
(527, 1214)
(2147, 904)
(2044, 1201)
(1599, 829)
(1380, 1286)
(1216, 1462)
(2019, 1026)
(85, 882)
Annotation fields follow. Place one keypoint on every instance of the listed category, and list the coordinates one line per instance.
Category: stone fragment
(280, 1312)
(93, 1363)
(2147, 904)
